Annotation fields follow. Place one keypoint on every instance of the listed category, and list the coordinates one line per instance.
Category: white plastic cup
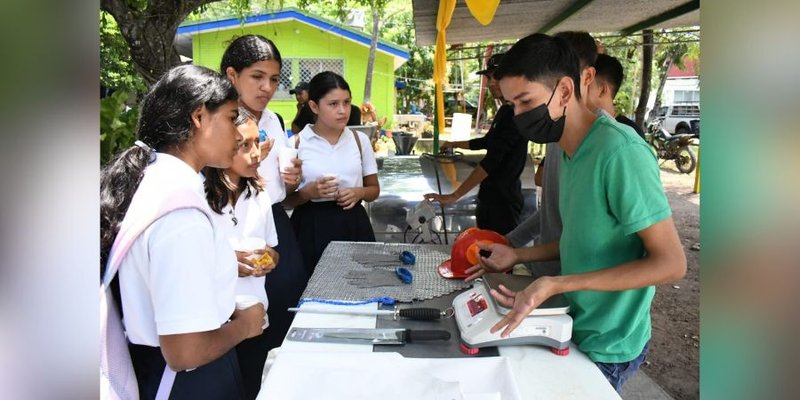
(335, 177)
(244, 301)
(329, 175)
(285, 157)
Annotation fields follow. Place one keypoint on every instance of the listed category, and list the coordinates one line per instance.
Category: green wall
(295, 39)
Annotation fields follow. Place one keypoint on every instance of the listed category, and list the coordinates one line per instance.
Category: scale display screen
(476, 304)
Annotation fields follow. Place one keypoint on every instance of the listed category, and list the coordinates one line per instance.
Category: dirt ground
(673, 360)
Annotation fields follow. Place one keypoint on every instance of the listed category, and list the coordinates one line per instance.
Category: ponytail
(118, 182)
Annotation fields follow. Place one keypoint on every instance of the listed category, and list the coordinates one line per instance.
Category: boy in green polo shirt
(618, 238)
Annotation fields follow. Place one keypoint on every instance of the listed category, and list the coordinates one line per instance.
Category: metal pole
(435, 121)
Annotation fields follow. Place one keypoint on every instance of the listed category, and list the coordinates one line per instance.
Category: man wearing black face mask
(500, 196)
(544, 225)
(618, 238)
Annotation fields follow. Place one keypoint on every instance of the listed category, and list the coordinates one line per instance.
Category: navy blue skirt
(317, 224)
(219, 379)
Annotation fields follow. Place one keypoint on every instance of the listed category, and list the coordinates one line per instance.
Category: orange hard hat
(464, 253)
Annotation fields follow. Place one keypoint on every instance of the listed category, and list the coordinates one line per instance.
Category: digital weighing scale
(476, 312)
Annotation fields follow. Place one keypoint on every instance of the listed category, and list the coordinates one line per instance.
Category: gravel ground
(673, 361)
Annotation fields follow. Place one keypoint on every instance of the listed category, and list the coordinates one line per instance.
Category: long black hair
(219, 188)
(164, 123)
(247, 50)
(324, 82)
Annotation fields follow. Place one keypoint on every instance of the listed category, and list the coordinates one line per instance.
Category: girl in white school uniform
(177, 273)
(253, 64)
(339, 172)
(243, 210)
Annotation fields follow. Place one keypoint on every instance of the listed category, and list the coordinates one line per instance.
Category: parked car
(677, 117)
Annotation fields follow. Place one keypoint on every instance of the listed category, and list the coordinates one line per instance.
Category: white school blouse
(320, 158)
(180, 274)
(269, 169)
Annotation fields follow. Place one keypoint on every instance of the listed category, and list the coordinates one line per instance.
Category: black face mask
(537, 126)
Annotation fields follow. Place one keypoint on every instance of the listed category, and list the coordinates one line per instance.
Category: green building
(308, 44)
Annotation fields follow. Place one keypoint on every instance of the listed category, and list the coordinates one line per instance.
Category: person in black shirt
(607, 80)
(500, 195)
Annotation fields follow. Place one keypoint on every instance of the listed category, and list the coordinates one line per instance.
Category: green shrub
(117, 126)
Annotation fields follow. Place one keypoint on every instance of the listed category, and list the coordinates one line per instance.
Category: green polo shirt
(610, 189)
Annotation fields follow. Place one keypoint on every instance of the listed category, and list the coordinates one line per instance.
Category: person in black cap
(500, 195)
(300, 93)
(304, 115)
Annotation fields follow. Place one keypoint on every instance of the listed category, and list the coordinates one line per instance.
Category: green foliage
(628, 49)
(117, 126)
(234, 8)
(417, 72)
(116, 68)
(338, 9)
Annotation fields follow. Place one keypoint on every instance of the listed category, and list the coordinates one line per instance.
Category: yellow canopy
(446, 8)
(483, 11)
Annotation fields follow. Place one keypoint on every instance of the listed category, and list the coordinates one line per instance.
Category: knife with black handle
(422, 335)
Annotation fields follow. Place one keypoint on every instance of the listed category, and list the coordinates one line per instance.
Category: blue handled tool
(408, 258)
(404, 274)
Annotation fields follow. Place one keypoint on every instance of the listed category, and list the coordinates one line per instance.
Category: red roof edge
(689, 69)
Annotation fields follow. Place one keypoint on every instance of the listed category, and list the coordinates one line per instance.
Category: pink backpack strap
(117, 377)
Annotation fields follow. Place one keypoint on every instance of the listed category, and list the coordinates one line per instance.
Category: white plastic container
(462, 124)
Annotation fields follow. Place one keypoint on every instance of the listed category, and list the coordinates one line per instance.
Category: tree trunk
(647, 72)
(150, 32)
(662, 74)
(373, 46)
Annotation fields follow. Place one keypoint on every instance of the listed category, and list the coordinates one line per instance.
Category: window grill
(295, 70)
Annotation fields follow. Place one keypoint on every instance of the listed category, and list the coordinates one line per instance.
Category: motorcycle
(673, 147)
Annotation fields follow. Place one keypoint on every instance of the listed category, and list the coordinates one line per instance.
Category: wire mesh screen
(286, 83)
(296, 70)
(330, 276)
(312, 66)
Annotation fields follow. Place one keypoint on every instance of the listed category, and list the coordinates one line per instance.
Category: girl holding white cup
(339, 171)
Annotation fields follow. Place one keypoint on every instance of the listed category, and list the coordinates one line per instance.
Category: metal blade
(346, 335)
(342, 311)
